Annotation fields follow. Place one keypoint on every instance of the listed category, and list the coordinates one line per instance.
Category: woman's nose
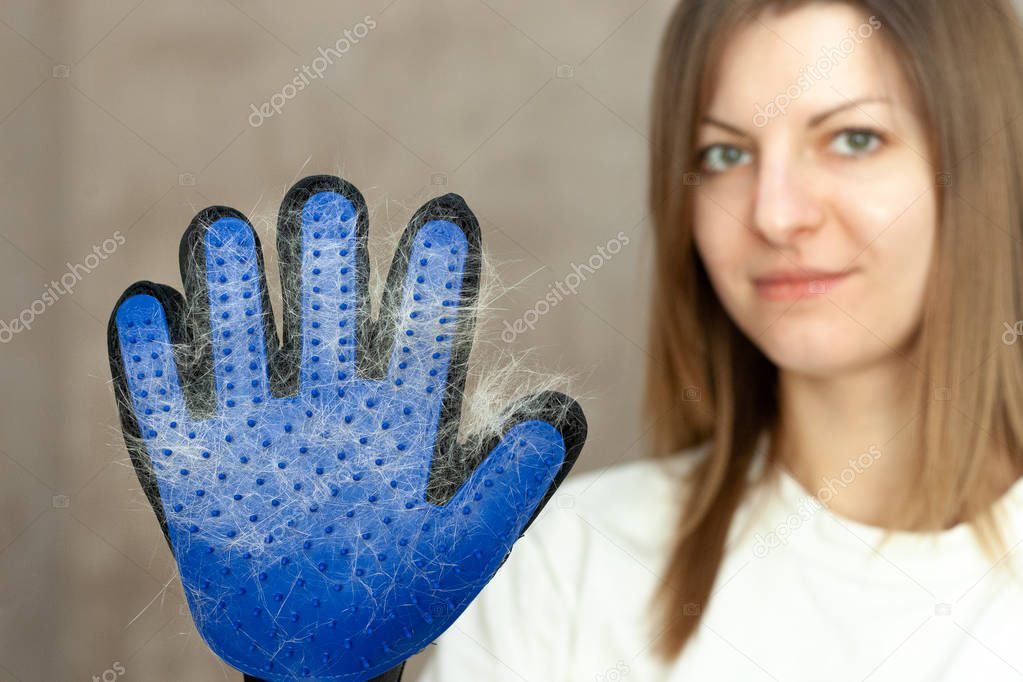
(787, 202)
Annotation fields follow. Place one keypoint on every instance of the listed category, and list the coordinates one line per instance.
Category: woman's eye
(720, 157)
(855, 142)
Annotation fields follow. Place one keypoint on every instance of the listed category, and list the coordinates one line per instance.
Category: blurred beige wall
(120, 119)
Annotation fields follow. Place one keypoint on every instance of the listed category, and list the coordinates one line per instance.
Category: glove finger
(146, 379)
(222, 267)
(321, 240)
(431, 288)
(505, 493)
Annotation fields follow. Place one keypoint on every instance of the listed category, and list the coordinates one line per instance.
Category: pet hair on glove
(325, 518)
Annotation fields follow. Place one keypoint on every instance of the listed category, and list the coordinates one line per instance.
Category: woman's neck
(852, 435)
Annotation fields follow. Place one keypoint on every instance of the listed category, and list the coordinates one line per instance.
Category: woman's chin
(819, 349)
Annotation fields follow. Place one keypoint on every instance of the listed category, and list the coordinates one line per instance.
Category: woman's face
(816, 209)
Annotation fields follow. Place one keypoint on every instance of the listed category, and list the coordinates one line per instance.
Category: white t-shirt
(801, 594)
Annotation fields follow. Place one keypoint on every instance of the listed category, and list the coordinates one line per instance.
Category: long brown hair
(707, 382)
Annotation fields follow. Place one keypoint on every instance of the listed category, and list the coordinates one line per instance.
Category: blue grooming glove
(326, 520)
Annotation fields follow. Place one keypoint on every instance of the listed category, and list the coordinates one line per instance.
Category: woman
(834, 375)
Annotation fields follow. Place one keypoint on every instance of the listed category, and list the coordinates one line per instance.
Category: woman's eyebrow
(814, 122)
(709, 120)
(821, 117)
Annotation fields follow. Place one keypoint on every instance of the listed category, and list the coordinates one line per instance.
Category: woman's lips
(792, 287)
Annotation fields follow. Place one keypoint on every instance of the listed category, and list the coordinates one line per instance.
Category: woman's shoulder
(642, 480)
(635, 502)
(642, 468)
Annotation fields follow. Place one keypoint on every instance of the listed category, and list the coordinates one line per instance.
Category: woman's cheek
(884, 192)
(718, 252)
(896, 245)
(720, 238)
(724, 257)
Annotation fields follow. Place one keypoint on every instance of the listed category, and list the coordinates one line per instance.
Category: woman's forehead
(805, 61)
